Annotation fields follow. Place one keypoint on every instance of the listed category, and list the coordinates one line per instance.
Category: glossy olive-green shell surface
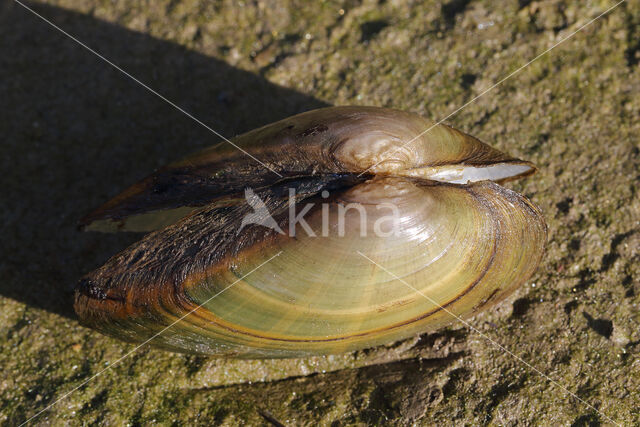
(346, 277)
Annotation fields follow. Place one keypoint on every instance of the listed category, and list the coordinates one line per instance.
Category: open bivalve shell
(364, 236)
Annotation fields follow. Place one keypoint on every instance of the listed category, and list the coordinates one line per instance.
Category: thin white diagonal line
(159, 95)
(501, 347)
(111, 365)
(513, 73)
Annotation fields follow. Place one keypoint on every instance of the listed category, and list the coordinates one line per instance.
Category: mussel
(259, 282)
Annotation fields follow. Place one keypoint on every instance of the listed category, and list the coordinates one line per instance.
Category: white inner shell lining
(465, 174)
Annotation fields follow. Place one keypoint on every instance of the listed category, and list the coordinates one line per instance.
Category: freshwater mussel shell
(459, 248)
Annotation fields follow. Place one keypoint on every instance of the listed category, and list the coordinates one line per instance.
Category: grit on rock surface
(75, 132)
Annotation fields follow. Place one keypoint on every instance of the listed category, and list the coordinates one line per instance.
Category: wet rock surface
(76, 131)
